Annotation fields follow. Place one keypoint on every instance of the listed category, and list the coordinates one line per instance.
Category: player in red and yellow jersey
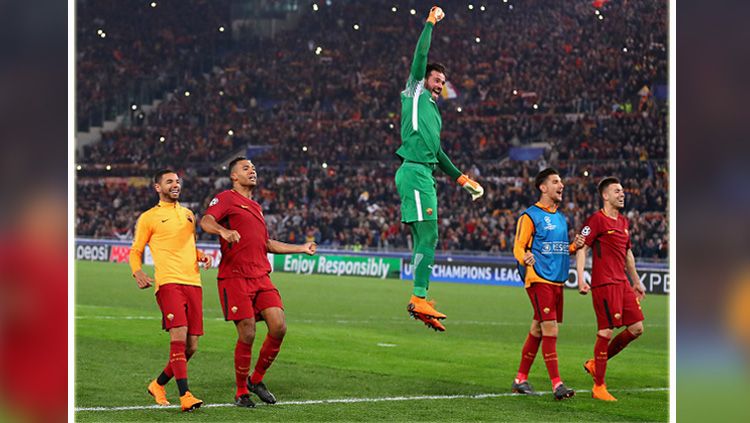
(246, 292)
(616, 303)
(169, 230)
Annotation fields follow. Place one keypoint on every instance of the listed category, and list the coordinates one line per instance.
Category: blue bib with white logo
(549, 245)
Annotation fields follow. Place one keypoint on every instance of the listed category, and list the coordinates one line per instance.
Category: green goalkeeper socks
(425, 236)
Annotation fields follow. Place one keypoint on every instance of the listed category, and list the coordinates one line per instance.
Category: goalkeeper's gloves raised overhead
(436, 15)
(471, 186)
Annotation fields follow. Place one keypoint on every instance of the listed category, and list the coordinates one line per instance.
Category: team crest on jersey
(234, 309)
(213, 202)
(170, 316)
(585, 231)
(429, 211)
(548, 224)
(546, 310)
(617, 316)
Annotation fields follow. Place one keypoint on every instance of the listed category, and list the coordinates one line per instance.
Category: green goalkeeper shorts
(417, 188)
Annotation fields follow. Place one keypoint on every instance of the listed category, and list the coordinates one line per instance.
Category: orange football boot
(158, 392)
(430, 322)
(189, 403)
(421, 306)
(590, 368)
(600, 392)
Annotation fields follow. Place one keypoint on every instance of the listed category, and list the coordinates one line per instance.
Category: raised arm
(419, 63)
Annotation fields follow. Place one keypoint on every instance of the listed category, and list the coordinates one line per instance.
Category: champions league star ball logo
(548, 224)
(585, 231)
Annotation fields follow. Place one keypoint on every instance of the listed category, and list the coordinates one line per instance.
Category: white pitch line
(355, 322)
(358, 400)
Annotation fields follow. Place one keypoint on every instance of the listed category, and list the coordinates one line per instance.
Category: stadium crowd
(320, 109)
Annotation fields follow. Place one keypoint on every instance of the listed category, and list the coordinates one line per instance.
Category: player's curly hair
(542, 176)
(437, 67)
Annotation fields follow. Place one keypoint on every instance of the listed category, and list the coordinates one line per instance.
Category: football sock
(425, 235)
(178, 363)
(600, 359)
(268, 353)
(549, 350)
(530, 348)
(242, 358)
(167, 374)
(619, 342)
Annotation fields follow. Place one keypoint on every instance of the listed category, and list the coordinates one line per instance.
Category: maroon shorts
(245, 298)
(547, 301)
(616, 305)
(181, 305)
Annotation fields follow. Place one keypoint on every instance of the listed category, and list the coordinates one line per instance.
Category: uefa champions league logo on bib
(548, 224)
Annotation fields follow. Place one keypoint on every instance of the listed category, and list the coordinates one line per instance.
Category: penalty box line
(358, 400)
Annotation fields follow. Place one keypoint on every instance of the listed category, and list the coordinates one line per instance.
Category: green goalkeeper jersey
(420, 117)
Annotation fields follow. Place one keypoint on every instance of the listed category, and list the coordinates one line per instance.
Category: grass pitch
(350, 339)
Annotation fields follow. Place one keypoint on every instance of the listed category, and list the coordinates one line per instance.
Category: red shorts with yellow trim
(181, 305)
(547, 301)
(616, 305)
(245, 298)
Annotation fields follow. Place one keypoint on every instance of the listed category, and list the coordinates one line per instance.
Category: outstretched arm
(279, 247)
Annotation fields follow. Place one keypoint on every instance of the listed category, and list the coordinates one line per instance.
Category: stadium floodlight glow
(585, 173)
(624, 49)
(596, 12)
(187, 93)
(223, 168)
(79, 167)
(394, 9)
(134, 106)
(153, 4)
(601, 17)
(103, 35)
(356, 27)
(221, 92)
(505, 1)
(413, 12)
(109, 167)
(99, 32)
(318, 51)
(390, 125)
(459, 109)
(515, 92)
(230, 132)
(162, 139)
(482, 8)
(535, 106)
(315, 7)
(221, 29)
(510, 6)
(304, 148)
(325, 165)
(477, 39)
(471, 6)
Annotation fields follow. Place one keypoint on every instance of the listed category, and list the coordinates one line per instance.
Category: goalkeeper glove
(471, 186)
(436, 15)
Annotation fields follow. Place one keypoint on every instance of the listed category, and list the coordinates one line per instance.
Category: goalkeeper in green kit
(420, 153)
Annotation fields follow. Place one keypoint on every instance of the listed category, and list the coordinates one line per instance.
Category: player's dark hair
(542, 176)
(437, 67)
(234, 162)
(606, 182)
(160, 173)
